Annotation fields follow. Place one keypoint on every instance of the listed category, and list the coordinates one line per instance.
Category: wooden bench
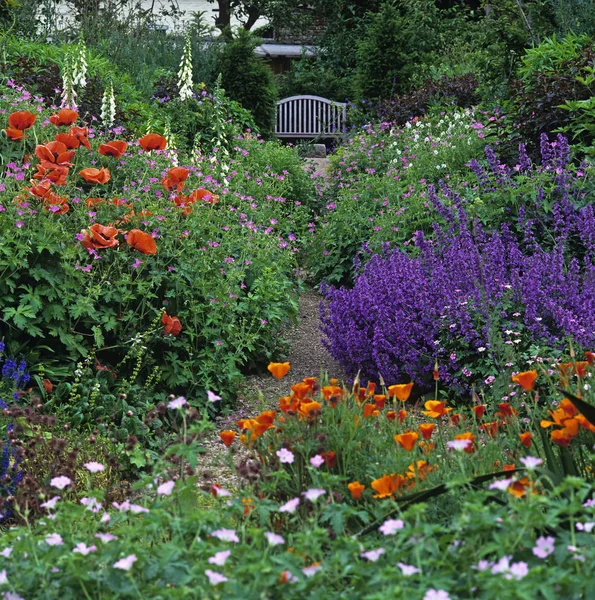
(310, 117)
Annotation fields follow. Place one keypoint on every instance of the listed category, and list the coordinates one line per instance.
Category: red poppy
(141, 241)
(21, 120)
(81, 133)
(153, 141)
(172, 324)
(330, 459)
(14, 134)
(56, 175)
(91, 175)
(65, 117)
(91, 202)
(205, 195)
(54, 153)
(99, 236)
(42, 189)
(56, 204)
(70, 141)
(47, 386)
(479, 410)
(115, 148)
(175, 179)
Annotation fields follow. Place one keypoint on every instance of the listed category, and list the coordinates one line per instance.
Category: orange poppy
(526, 439)
(419, 470)
(585, 423)
(519, 488)
(175, 179)
(590, 356)
(70, 141)
(205, 195)
(490, 428)
(141, 241)
(426, 430)
(564, 417)
(99, 176)
(81, 134)
(173, 326)
(310, 410)
(435, 409)
(505, 410)
(227, 437)
(56, 175)
(526, 379)
(371, 388)
(407, 440)
(115, 148)
(56, 204)
(370, 410)
(21, 120)
(301, 389)
(47, 386)
(510, 467)
(289, 404)
(65, 117)
(402, 415)
(401, 391)
(356, 489)
(14, 134)
(479, 410)
(153, 141)
(330, 459)
(41, 190)
(267, 417)
(279, 370)
(562, 437)
(387, 485)
(380, 400)
(98, 236)
(328, 391)
(91, 202)
(54, 153)
(470, 449)
(455, 418)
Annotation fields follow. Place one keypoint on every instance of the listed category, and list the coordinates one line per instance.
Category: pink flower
(273, 538)
(60, 482)
(531, 462)
(285, 455)
(125, 564)
(94, 467)
(433, 594)
(83, 549)
(391, 526)
(50, 503)
(313, 494)
(211, 397)
(458, 444)
(544, 546)
(226, 535)
(177, 403)
(106, 537)
(317, 461)
(215, 578)
(91, 504)
(502, 484)
(311, 570)
(219, 558)
(289, 577)
(165, 489)
(6, 552)
(373, 555)
(54, 539)
(290, 506)
(3, 577)
(407, 570)
(586, 527)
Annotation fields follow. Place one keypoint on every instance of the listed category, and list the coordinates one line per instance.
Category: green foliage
(247, 79)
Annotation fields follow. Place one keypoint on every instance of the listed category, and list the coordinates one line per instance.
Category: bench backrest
(310, 117)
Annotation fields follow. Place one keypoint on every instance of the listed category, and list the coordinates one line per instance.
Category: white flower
(502, 484)
(273, 538)
(108, 106)
(177, 403)
(458, 444)
(60, 482)
(6, 552)
(215, 578)
(219, 558)
(185, 72)
(125, 564)
(165, 489)
(285, 455)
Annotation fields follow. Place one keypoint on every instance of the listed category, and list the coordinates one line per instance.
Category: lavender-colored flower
(274, 539)
(94, 467)
(125, 564)
(313, 494)
(177, 403)
(226, 535)
(60, 482)
(290, 506)
(215, 578)
(317, 461)
(433, 594)
(373, 555)
(544, 546)
(219, 558)
(83, 549)
(407, 570)
(391, 526)
(285, 456)
(54, 539)
(165, 489)
(531, 462)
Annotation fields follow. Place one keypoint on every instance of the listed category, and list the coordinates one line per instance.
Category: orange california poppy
(172, 325)
(153, 141)
(519, 488)
(391, 415)
(267, 417)
(330, 459)
(585, 423)
(99, 176)
(204, 195)
(387, 485)
(70, 141)
(65, 117)
(141, 241)
(21, 120)
(419, 470)
(356, 489)
(370, 410)
(407, 440)
(328, 391)
(526, 439)
(175, 179)
(402, 415)
(289, 404)
(301, 389)
(526, 379)
(470, 449)
(310, 410)
(115, 148)
(426, 430)
(490, 428)
(455, 418)
(565, 417)
(99, 236)
(14, 134)
(279, 370)
(227, 437)
(435, 409)
(380, 401)
(401, 391)
(562, 437)
(506, 410)
(371, 388)
(48, 386)
(81, 134)
(479, 410)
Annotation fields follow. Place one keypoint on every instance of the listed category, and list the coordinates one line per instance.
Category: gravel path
(308, 358)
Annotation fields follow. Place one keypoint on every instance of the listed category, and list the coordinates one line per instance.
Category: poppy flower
(435, 409)
(310, 410)
(301, 389)
(590, 356)
(562, 437)
(490, 428)
(267, 417)
(153, 141)
(91, 175)
(455, 418)
(419, 470)
(279, 370)
(505, 410)
(329, 391)
(14, 134)
(56, 204)
(91, 202)
(141, 241)
(99, 236)
(479, 410)
(585, 423)
(371, 388)
(370, 410)
(70, 141)
(175, 179)
(54, 153)
(42, 189)
(379, 400)
(115, 148)
(470, 449)
(407, 440)
(56, 175)
(426, 430)
(289, 404)
(519, 488)
(387, 485)
(47, 386)
(330, 459)
(81, 134)
(227, 437)
(21, 120)
(172, 325)
(204, 195)
(526, 439)
(401, 391)
(65, 117)
(526, 379)
(356, 489)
